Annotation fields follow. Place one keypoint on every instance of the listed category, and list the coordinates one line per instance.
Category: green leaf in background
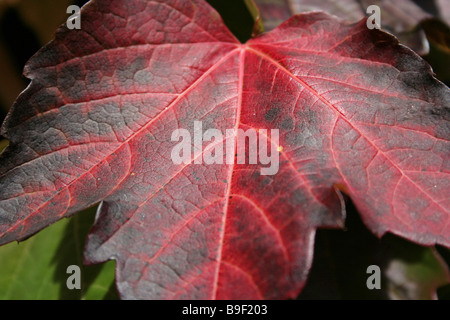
(3, 144)
(258, 27)
(444, 292)
(412, 272)
(341, 259)
(36, 268)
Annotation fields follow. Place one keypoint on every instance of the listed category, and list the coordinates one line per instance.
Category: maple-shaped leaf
(356, 111)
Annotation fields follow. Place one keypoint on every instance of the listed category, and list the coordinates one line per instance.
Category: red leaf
(355, 110)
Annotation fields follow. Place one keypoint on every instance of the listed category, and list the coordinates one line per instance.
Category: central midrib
(230, 172)
(342, 116)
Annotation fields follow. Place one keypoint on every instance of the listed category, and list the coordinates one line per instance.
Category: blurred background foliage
(36, 268)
